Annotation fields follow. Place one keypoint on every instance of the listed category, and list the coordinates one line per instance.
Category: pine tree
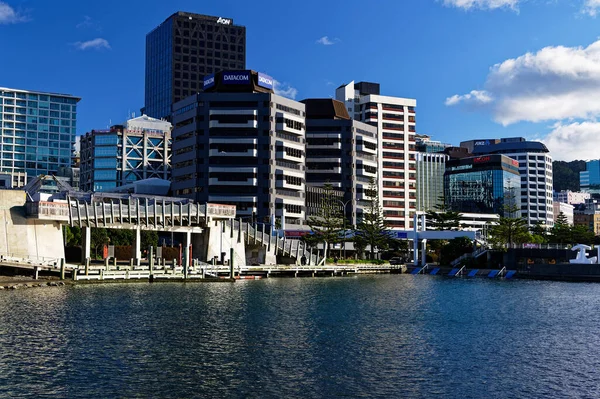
(327, 224)
(580, 234)
(443, 218)
(561, 231)
(372, 229)
(511, 229)
(539, 233)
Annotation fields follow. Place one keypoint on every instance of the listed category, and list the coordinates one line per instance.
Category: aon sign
(224, 21)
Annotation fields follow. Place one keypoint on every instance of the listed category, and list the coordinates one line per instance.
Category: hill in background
(565, 175)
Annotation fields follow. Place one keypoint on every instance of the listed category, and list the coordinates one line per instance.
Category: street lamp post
(344, 204)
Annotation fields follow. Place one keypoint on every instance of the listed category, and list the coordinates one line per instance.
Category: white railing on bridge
(48, 210)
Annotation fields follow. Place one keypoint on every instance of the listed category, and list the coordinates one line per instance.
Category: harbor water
(384, 336)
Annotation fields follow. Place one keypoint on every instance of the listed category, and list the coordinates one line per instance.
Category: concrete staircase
(294, 249)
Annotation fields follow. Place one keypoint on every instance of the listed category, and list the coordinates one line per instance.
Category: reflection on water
(371, 336)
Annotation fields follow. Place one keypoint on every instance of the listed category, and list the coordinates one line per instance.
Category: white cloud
(591, 7)
(326, 41)
(94, 44)
(578, 140)
(285, 90)
(8, 15)
(482, 4)
(552, 84)
(86, 23)
(474, 97)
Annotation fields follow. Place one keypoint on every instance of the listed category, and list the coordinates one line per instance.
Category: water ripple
(365, 337)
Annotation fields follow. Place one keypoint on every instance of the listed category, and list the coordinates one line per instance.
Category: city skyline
(471, 75)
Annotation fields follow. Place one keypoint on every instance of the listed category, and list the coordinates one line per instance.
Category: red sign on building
(481, 159)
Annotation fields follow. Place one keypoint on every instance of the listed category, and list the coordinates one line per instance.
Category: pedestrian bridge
(112, 210)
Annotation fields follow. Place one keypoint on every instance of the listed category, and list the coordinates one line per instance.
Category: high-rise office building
(37, 132)
(430, 181)
(138, 149)
(589, 179)
(486, 184)
(239, 143)
(395, 120)
(535, 167)
(184, 49)
(341, 152)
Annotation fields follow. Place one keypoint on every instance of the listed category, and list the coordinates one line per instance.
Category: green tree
(511, 229)
(121, 236)
(446, 220)
(539, 233)
(327, 224)
(99, 237)
(561, 231)
(149, 238)
(508, 232)
(372, 229)
(580, 234)
(72, 236)
(443, 218)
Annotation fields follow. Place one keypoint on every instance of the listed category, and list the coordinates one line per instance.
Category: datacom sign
(209, 81)
(236, 78)
(265, 81)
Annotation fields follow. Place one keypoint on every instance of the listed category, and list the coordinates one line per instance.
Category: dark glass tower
(182, 50)
(486, 184)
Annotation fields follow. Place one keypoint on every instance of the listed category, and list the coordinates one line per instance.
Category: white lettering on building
(224, 21)
(267, 81)
(235, 77)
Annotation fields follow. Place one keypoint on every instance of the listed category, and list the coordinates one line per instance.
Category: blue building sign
(265, 81)
(236, 78)
(209, 81)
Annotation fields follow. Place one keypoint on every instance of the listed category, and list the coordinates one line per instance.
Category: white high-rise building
(535, 167)
(395, 120)
(571, 197)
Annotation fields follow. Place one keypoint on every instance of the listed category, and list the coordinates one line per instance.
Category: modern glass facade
(487, 184)
(37, 131)
(430, 180)
(535, 167)
(589, 179)
(159, 70)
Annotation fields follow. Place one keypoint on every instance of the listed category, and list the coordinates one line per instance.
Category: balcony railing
(290, 165)
(289, 193)
(366, 156)
(289, 137)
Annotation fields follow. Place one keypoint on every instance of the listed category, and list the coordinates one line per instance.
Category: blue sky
(478, 68)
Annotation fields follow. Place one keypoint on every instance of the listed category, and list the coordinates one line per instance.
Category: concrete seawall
(26, 237)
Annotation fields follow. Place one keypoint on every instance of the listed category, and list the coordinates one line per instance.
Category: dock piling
(62, 268)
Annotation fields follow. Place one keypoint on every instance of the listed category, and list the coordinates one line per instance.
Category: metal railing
(290, 165)
(289, 137)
